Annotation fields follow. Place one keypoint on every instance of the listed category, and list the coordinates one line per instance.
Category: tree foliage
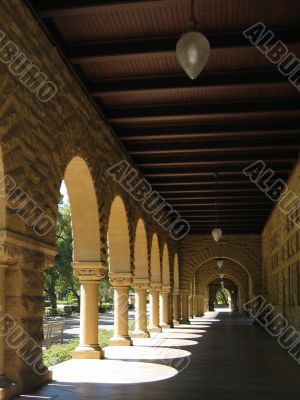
(60, 278)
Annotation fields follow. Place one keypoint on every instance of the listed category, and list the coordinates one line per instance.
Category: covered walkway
(230, 359)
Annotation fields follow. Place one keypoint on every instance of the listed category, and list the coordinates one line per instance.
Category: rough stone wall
(38, 141)
(281, 256)
(245, 250)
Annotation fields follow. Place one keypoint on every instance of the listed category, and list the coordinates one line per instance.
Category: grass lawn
(63, 352)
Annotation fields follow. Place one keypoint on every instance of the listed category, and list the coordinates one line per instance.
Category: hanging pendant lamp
(216, 232)
(192, 48)
(220, 264)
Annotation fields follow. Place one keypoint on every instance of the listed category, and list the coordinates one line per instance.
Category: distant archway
(84, 211)
(118, 238)
(141, 270)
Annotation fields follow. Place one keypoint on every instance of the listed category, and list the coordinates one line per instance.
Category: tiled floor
(230, 360)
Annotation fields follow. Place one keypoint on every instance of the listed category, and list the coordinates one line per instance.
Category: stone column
(164, 307)
(191, 306)
(154, 308)
(141, 286)
(121, 283)
(185, 307)
(8, 255)
(175, 306)
(200, 305)
(89, 275)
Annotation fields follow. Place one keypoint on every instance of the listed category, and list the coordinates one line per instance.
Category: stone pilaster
(121, 283)
(89, 275)
(141, 286)
(185, 306)
(9, 255)
(176, 307)
(200, 305)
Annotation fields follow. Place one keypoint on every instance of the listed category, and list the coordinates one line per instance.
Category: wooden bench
(52, 331)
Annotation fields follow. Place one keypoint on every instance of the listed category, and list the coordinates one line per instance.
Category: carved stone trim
(165, 289)
(89, 271)
(155, 287)
(141, 284)
(9, 254)
(17, 240)
(120, 279)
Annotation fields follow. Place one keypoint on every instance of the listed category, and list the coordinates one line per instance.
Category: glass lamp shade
(220, 263)
(192, 52)
(216, 234)
(222, 283)
(222, 276)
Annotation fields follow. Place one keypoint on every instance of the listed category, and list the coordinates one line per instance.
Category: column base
(120, 341)
(155, 329)
(199, 314)
(183, 322)
(88, 352)
(140, 334)
(8, 388)
(165, 326)
(175, 322)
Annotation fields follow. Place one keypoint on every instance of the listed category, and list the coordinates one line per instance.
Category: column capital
(89, 271)
(176, 292)
(9, 254)
(186, 292)
(141, 284)
(155, 287)
(165, 290)
(120, 279)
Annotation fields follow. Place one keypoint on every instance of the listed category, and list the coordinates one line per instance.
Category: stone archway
(119, 270)
(165, 292)
(86, 253)
(155, 286)
(191, 263)
(141, 280)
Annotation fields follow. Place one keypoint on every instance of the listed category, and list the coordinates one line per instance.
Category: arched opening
(78, 244)
(141, 270)
(223, 297)
(118, 238)
(165, 267)
(155, 261)
(119, 270)
(141, 281)
(176, 273)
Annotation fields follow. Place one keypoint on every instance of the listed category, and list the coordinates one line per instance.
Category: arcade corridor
(232, 360)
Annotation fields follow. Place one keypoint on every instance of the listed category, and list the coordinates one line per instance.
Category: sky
(63, 191)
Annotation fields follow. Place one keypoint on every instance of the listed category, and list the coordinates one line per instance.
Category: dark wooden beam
(91, 52)
(205, 81)
(60, 8)
(211, 130)
(237, 161)
(286, 142)
(196, 111)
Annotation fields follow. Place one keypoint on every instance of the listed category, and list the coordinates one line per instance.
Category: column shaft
(2, 323)
(121, 337)
(200, 305)
(154, 311)
(175, 308)
(140, 314)
(164, 310)
(89, 342)
(185, 308)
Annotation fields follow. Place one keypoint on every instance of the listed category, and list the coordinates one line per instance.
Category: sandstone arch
(118, 238)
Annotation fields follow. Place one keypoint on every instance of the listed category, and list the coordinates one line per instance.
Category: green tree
(60, 278)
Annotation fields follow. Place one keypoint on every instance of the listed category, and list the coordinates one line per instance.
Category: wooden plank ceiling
(179, 132)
